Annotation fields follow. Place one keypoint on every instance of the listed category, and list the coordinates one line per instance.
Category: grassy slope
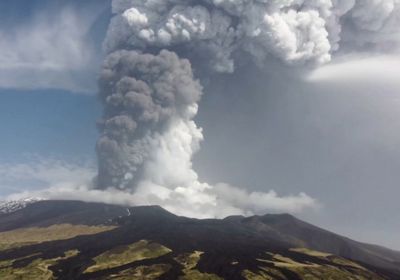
(127, 254)
(35, 270)
(142, 272)
(122, 264)
(335, 268)
(189, 262)
(105, 253)
(27, 236)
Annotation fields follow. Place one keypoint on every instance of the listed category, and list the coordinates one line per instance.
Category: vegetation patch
(249, 275)
(127, 254)
(344, 262)
(36, 270)
(189, 262)
(334, 273)
(309, 252)
(27, 236)
(151, 272)
(336, 269)
(281, 261)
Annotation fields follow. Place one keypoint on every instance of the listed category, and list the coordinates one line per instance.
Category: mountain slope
(15, 205)
(97, 241)
(302, 234)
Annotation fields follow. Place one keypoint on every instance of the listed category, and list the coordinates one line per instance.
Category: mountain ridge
(10, 206)
(235, 239)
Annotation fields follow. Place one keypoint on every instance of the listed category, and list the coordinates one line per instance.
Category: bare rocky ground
(77, 240)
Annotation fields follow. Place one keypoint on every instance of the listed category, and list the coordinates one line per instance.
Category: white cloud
(61, 180)
(50, 51)
(368, 68)
(41, 173)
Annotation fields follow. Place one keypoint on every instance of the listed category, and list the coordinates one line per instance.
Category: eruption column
(150, 97)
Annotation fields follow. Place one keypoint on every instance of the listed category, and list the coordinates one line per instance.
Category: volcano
(78, 240)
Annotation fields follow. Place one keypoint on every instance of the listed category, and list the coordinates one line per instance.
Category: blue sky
(36, 119)
(47, 122)
(51, 44)
(50, 53)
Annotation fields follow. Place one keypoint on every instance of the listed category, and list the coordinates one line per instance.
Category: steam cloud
(150, 95)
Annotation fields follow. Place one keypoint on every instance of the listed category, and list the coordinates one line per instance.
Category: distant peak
(10, 206)
(280, 216)
(150, 209)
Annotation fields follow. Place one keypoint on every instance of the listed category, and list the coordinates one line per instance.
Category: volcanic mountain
(78, 240)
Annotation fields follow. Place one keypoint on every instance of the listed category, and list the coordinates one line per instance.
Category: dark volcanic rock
(46, 213)
(224, 242)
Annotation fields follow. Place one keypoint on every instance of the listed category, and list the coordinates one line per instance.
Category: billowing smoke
(150, 94)
(145, 97)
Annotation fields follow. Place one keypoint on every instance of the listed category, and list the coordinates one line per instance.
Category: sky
(332, 133)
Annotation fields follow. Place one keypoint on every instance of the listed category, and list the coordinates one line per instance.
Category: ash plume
(144, 96)
(150, 95)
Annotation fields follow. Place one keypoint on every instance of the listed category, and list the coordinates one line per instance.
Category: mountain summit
(77, 240)
(15, 205)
